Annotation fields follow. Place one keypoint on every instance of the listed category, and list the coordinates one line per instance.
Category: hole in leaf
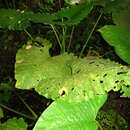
(104, 75)
(72, 89)
(78, 71)
(127, 86)
(101, 81)
(121, 73)
(117, 81)
(63, 93)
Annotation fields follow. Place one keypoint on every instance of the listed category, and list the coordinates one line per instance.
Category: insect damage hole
(101, 81)
(118, 73)
(104, 75)
(62, 91)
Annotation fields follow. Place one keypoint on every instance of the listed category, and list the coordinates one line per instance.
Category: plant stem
(63, 39)
(14, 111)
(13, 2)
(63, 33)
(29, 108)
(28, 34)
(71, 35)
(60, 4)
(56, 36)
(81, 53)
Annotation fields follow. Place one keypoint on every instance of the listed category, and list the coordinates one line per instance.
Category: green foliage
(122, 18)
(118, 35)
(5, 91)
(119, 38)
(109, 5)
(111, 120)
(20, 20)
(14, 124)
(14, 19)
(77, 85)
(64, 115)
(72, 82)
(74, 14)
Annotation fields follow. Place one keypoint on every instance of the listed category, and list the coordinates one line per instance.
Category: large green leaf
(74, 14)
(118, 37)
(14, 19)
(64, 115)
(14, 124)
(68, 76)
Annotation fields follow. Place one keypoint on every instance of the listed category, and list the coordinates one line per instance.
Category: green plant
(111, 120)
(5, 91)
(118, 35)
(68, 80)
(14, 124)
(78, 88)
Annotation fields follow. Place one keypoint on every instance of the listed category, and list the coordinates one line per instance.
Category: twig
(81, 53)
(19, 113)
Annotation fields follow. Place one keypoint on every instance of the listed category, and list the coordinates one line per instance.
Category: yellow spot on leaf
(19, 61)
(63, 91)
(28, 47)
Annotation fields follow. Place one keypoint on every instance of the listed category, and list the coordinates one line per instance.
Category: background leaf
(122, 18)
(20, 19)
(14, 124)
(119, 38)
(5, 91)
(14, 19)
(115, 5)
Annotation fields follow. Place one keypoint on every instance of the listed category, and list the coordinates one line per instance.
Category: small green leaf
(14, 19)
(64, 115)
(14, 124)
(119, 38)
